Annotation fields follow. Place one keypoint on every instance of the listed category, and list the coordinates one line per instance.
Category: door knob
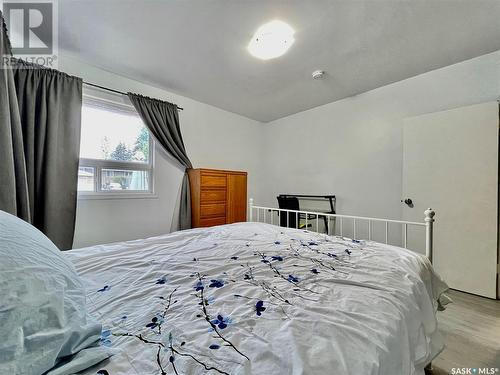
(408, 202)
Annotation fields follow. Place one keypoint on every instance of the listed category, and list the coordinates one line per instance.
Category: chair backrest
(288, 203)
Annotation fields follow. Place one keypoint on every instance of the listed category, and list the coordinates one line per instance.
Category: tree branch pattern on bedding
(260, 299)
(295, 262)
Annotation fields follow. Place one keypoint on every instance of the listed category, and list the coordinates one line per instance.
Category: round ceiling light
(271, 40)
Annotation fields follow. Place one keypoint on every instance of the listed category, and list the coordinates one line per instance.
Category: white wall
(353, 147)
(214, 139)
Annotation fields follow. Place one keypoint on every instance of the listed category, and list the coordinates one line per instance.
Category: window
(116, 150)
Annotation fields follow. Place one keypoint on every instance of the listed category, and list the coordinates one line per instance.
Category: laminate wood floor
(471, 326)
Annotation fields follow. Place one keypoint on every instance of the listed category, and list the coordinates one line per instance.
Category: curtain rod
(115, 91)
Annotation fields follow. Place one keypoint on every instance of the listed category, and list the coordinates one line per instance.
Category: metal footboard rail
(428, 222)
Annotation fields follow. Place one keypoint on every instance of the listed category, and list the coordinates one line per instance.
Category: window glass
(115, 149)
(119, 179)
(86, 181)
(111, 135)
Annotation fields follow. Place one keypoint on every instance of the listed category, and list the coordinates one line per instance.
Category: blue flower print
(216, 284)
(105, 341)
(314, 270)
(199, 286)
(277, 257)
(259, 308)
(221, 322)
(105, 288)
(162, 280)
(210, 300)
(293, 279)
(155, 322)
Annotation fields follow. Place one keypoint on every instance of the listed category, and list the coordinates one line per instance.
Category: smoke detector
(318, 74)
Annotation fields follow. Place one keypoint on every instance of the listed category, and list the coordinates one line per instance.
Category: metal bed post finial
(250, 207)
(429, 222)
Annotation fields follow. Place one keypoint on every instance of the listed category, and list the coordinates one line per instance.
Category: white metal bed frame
(427, 223)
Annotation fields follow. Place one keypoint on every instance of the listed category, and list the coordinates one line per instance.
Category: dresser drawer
(209, 196)
(213, 180)
(209, 210)
(210, 222)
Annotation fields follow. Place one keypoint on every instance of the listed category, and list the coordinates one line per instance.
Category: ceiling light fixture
(271, 40)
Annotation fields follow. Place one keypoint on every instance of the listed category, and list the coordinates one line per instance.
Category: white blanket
(254, 298)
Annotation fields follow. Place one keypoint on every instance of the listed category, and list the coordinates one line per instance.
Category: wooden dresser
(217, 197)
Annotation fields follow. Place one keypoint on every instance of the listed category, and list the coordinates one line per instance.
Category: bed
(255, 298)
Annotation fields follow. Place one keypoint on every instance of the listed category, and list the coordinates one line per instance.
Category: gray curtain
(162, 120)
(40, 114)
(13, 183)
(50, 106)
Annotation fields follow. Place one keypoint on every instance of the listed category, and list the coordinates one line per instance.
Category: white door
(450, 163)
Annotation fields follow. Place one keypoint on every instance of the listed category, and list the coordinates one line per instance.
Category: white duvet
(254, 298)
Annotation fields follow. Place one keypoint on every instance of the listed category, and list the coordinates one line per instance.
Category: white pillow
(43, 317)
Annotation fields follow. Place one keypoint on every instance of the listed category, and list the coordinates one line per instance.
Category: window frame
(117, 104)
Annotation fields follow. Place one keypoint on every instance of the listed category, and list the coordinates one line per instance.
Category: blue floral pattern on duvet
(280, 282)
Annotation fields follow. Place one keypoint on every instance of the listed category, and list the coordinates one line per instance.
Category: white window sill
(124, 195)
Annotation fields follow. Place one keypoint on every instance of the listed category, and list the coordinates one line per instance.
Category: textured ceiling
(197, 48)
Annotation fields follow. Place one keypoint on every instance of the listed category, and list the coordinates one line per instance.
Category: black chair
(289, 219)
